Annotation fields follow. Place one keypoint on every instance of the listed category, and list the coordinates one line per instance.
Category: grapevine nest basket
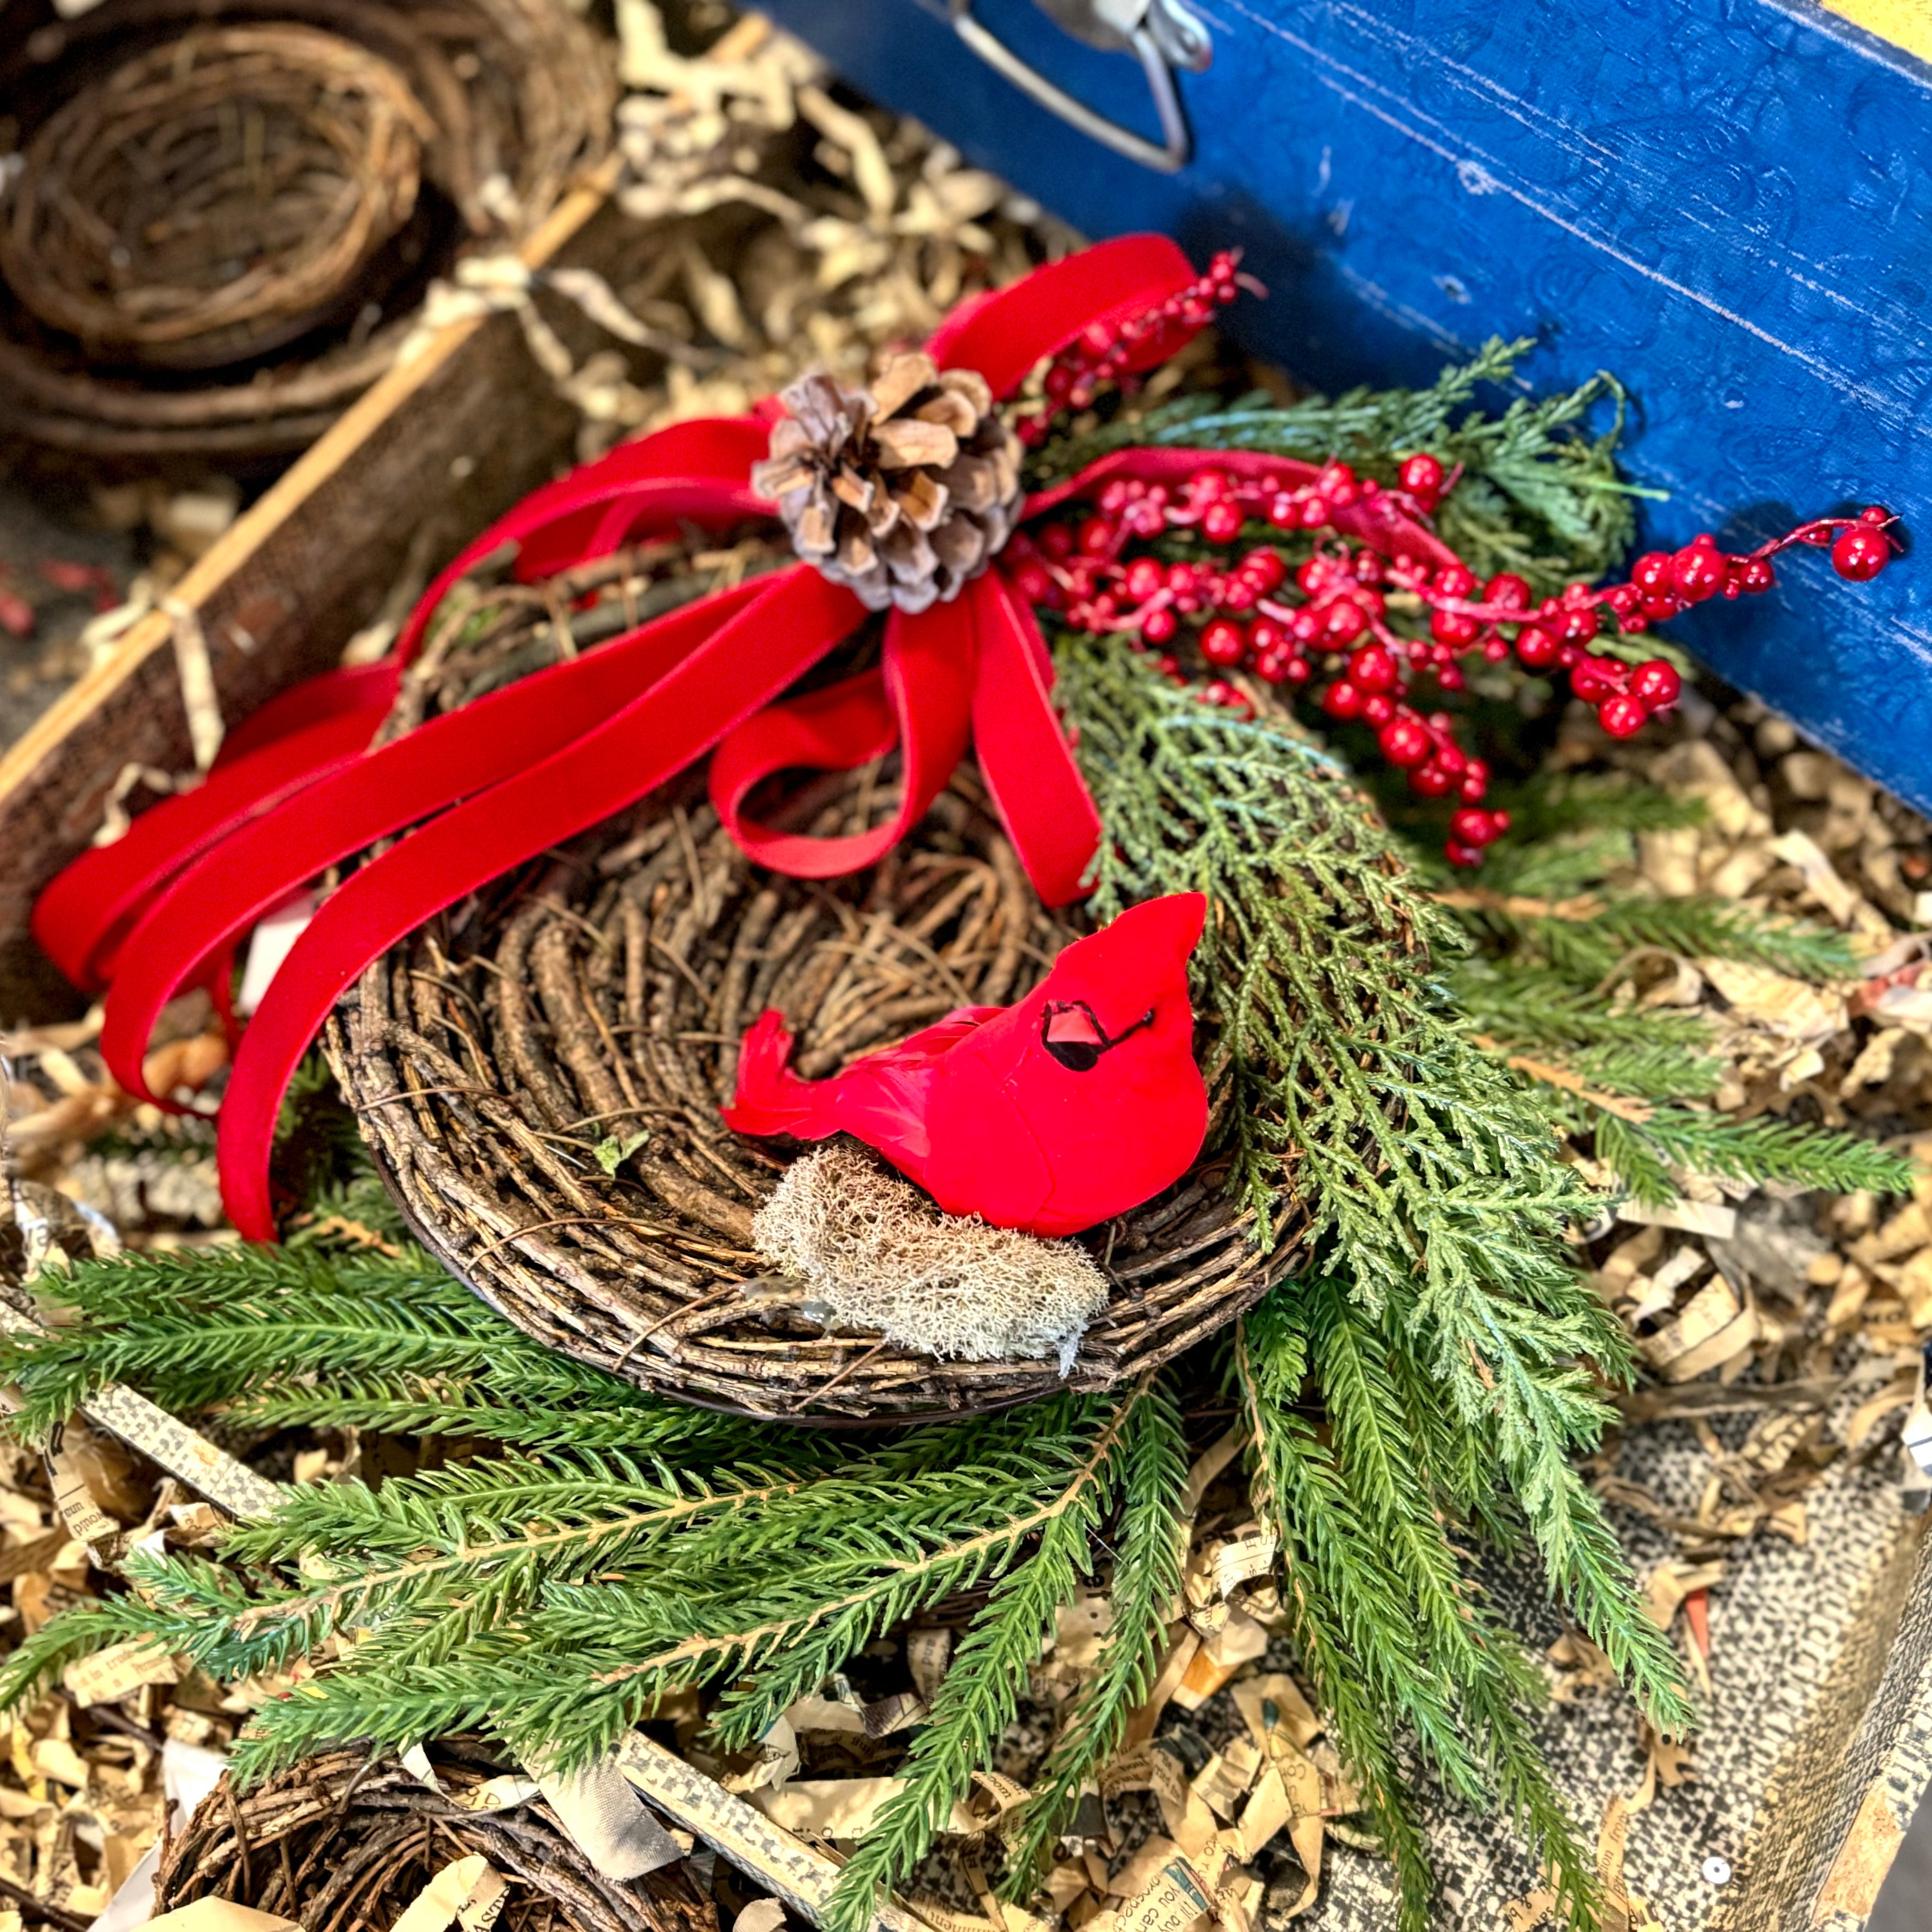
(224, 213)
(342, 1841)
(539, 1072)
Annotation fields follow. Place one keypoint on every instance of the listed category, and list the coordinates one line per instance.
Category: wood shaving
(844, 229)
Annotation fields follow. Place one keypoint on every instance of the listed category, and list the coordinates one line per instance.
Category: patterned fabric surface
(1817, 1740)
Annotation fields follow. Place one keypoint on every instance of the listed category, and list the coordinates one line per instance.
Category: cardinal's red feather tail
(771, 1099)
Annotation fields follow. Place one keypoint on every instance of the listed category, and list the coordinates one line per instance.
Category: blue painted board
(1727, 203)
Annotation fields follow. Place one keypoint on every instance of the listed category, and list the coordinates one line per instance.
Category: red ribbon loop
(368, 689)
(920, 699)
(551, 527)
(1003, 334)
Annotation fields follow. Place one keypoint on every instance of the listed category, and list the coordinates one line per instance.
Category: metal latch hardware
(1163, 35)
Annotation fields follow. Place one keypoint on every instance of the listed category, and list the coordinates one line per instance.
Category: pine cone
(902, 492)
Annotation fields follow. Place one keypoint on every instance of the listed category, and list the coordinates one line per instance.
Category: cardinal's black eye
(1077, 1056)
(1071, 1032)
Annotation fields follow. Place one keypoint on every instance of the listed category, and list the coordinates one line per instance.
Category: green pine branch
(980, 1693)
(1404, 1622)
(555, 1597)
(1527, 1006)
(1148, 1572)
(1588, 944)
(270, 1336)
(1652, 1155)
(1345, 1607)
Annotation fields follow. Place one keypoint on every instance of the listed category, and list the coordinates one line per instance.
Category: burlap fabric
(1817, 1740)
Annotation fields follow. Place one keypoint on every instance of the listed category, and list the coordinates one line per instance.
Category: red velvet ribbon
(299, 789)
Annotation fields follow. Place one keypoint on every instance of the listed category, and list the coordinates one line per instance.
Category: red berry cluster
(1080, 571)
(1493, 618)
(1243, 620)
(1103, 352)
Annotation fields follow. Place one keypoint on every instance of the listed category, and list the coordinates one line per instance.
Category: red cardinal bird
(1078, 1103)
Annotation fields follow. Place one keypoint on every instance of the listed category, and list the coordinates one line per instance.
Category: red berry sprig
(1244, 620)
(1102, 353)
(1662, 584)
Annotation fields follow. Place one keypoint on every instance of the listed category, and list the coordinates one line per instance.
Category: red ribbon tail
(1023, 755)
(82, 917)
(368, 689)
(211, 905)
(778, 634)
(920, 698)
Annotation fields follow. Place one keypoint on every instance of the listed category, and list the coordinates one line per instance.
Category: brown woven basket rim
(1288, 1251)
(545, 130)
(314, 275)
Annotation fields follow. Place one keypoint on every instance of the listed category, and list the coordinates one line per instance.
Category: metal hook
(1162, 34)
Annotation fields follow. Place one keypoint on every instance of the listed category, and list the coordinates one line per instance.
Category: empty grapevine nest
(539, 1073)
(340, 1841)
(226, 211)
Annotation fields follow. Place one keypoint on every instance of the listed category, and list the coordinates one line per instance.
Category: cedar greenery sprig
(1439, 1199)
(1342, 1069)
(623, 1547)
(553, 1597)
(1537, 496)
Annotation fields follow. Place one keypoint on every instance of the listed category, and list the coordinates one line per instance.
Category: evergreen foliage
(1537, 495)
(624, 1548)
(1550, 931)
(554, 1596)
(1339, 1064)
(1401, 1050)
(1148, 1560)
(304, 1334)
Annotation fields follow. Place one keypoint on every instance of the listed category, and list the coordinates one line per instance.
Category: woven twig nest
(226, 211)
(214, 198)
(540, 1073)
(340, 1841)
